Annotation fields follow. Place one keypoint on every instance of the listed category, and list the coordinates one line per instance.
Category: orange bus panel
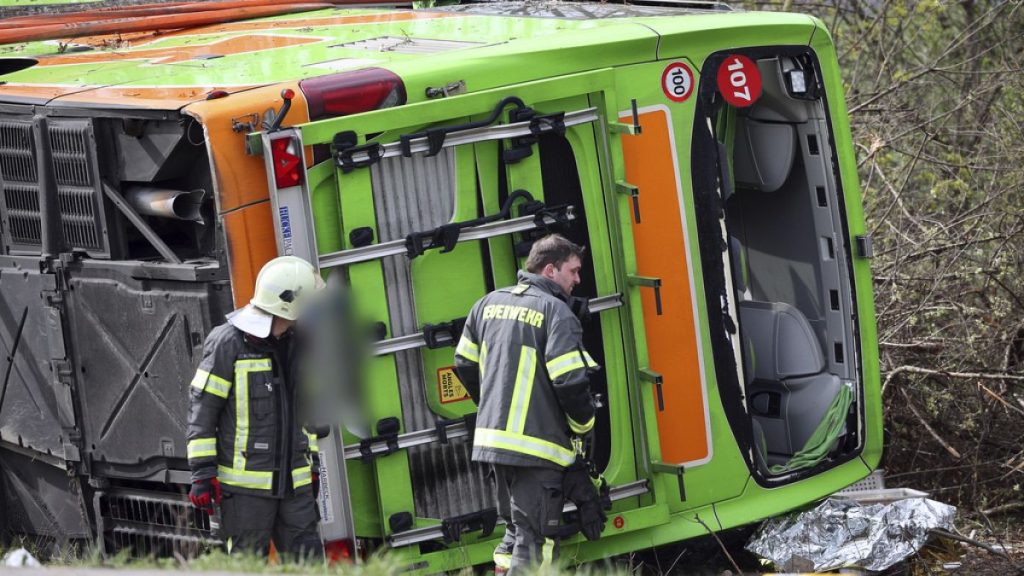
(673, 343)
(251, 244)
(243, 201)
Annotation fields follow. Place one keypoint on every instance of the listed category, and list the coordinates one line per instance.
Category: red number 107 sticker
(739, 81)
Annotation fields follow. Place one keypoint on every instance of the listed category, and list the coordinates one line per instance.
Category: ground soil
(706, 556)
(942, 556)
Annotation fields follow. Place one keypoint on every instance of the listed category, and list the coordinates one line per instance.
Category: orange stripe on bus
(37, 92)
(172, 54)
(672, 339)
(154, 97)
(106, 41)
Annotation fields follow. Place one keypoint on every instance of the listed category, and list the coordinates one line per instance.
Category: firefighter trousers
(250, 522)
(529, 500)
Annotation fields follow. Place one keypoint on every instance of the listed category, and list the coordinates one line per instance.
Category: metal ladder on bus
(295, 235)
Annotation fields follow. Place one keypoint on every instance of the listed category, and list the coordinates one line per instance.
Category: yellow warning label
(449, 387)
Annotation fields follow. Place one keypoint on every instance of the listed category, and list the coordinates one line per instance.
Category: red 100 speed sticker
(677, 82)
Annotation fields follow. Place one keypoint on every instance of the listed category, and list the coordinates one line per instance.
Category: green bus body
(617, 61)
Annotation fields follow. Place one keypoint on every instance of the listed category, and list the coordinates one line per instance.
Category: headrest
(784, 344)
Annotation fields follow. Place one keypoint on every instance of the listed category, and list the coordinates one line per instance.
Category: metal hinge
(865, 247)
(449, 89)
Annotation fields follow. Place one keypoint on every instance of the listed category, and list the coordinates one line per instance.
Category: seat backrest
(779, 341)
(764, 154)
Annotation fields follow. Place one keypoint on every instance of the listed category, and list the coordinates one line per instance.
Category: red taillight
(338, 551)
(287, 162)
(352, 92)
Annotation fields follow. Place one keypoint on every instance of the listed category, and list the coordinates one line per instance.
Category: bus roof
(167, 70)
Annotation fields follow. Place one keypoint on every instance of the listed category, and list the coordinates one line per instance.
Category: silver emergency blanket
(842, 533)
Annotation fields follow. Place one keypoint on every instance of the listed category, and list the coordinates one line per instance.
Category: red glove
(316, 483)
(205, 493)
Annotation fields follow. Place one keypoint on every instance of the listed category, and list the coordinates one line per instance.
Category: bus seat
(784, 343)
(790, 392)
(763, 155)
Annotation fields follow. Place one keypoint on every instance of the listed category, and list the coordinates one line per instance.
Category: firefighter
(251, 458)
(522, 361)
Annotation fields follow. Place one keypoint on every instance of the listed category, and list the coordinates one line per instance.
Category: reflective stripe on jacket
(241, 422)
(522, 360)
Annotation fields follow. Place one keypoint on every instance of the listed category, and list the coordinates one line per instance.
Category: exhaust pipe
(165, 203)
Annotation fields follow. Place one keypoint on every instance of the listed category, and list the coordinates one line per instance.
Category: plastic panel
(29, 413)
(136, 346)
(37, 499)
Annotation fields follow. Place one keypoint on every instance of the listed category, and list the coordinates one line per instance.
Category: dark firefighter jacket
(242, 426)
(522, 361)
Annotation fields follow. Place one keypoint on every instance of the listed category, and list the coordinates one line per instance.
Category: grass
(219, 561)
(50, 554)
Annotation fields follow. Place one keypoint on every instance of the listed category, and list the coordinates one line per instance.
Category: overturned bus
(702, 155)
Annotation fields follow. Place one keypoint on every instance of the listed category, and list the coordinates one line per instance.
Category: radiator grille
(21, 203)
(20, 198)
(79, 192)
(144, 524)
(78, 216)
(70, 157)
(17, 162)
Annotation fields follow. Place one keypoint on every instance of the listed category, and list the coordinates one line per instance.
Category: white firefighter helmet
(283, 285)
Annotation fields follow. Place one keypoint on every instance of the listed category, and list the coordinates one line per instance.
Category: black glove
(580, 306)
(578, 486)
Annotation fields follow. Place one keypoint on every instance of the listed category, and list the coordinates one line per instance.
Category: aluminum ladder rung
(481, 232)
(474, 135)
(417, 340)
(602, 303)
(428, 533)
(456, 429)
